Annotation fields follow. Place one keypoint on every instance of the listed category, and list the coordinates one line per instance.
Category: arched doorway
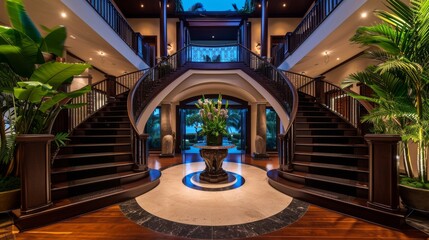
(238, 124)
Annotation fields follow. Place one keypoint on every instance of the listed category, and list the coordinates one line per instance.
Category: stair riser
(311, 113)
(357, 176)
(331, 149)
(115, 108)
(322, 125)
(105, 125)
(74, 175)
(109, 119)
(350, 132)
(78, 150)
(93, 160)
(112, 113)
(310, 108)
(322, 158)
(351, 191)
(317, 119)
(339, 140)
(361, 163)
(101, 139)
(89, 131)
(307, 104)
(75, 191)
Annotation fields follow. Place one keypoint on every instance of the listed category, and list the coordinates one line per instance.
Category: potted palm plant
(31, 82)
(400, 82)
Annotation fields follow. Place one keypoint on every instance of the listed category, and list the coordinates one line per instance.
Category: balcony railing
(107, 10)
(320, 11)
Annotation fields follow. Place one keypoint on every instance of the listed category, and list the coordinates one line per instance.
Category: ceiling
(151, 8)
(82, 40)
(213, 33)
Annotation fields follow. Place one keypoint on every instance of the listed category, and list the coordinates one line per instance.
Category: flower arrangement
(214, 119)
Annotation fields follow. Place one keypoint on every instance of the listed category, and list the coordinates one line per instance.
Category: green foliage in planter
(30, 81)
(400, 79)
(413, 182)
(9, 183)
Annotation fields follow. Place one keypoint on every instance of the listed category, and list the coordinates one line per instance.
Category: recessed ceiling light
(364, 15)
(284, 4)
(338, 59)
(63, 14)
(213, 36)
(325, 53)
(90, 59)
(72, 36)
(142, 5)
(168, 5)
(259, 5)
(101, 53)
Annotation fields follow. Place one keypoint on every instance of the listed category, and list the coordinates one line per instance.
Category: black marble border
(188, 183)
(287, 216)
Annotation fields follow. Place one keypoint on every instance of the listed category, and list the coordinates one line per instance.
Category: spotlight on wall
(169, 47)
(258, 46)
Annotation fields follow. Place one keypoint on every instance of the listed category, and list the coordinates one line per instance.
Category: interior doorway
(189, 122)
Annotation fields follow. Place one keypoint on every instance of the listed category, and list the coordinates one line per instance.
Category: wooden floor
(317, 223)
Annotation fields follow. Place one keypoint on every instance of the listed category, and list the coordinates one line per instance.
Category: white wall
(150, 27)
(276, 27)
(338, 74)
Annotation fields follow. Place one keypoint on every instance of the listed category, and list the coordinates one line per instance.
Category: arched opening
(188, 124)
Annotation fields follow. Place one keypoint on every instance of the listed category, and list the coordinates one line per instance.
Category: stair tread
(98, 136)
(116, 122)
(331, 166)
(335, 180)
(324, 154)
(109, 191)
(343, 128)
(97, 145)
(85, 181)
(322, 192)
(331, 145)
(100, 129)
(319, 122)
(328, 136)
(87, 155)
(90, 167)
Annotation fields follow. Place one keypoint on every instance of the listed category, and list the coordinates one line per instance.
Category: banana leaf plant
(31, 81)
(400, 80)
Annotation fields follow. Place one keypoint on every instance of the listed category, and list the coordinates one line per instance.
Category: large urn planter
(414, 198)
(10, 200)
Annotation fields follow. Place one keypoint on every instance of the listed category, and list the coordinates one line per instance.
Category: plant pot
(10, 200)
(415, 198)
(213, 140)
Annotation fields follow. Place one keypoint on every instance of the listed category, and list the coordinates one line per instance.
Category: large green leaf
(54, 41)
(21, 21)
(33, 92)
(56, 73)
(57, 98)
(19, 51)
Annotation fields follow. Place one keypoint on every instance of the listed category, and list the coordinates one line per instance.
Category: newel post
(320, 90)
(141, 152)
(285, 151)
(34, 158)
(111, 87)
(383, 171)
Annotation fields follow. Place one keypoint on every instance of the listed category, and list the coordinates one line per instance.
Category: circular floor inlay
(193, 181)
(254, 208)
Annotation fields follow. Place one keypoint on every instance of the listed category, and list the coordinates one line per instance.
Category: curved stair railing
(101, 94)
(160, 76)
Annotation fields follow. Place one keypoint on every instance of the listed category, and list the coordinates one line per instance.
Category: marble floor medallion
(250, 207)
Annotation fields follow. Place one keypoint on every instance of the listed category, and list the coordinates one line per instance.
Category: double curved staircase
(323, 156)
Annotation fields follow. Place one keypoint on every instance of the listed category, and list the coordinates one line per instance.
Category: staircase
(329, 155)
(329, 164)
(95, 169)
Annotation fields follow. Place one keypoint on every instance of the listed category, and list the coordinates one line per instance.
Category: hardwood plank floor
(317, 223)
